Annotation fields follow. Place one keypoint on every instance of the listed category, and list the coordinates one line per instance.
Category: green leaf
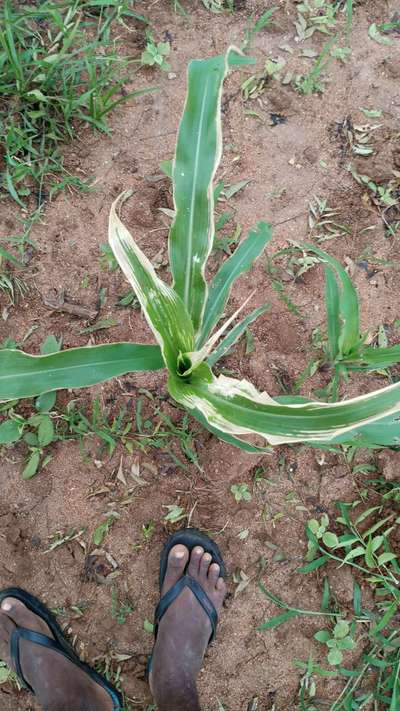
(346, 643)
(386, 558)
(354, 553)
(235, 441)
(148, 626)
(330, 540)
(236, 407)
(162, 307)
(278, 620)
(101, 530)
(234, 334)
(389, 614)
(349, 338)
(374, 358)
(36, 94)
(377, 36)
(341, 629)
(220, 287)
(313, 525)
(45, 431)
(236, 188)
(332, 311)
(10, 431)
(369, 557)
(198, 154)
(23, 375)
(32, 466)
(322, 636)
(335, 656)
(46, 402)
(167, 167)
(372, 113)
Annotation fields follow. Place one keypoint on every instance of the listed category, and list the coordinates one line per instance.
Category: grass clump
(59, 68)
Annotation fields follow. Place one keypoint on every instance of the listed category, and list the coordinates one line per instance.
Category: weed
(255, 26)
(120, 611)
(51, 76)
(322, 222)
(8, 676)
(315, 16)
(337, 640)
(103, 528)
(255, 85)
(241, 492)
(60, 538)
(156, 54)
(148, 531)
(175, 513)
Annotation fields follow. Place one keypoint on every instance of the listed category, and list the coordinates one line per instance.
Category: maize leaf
(197, 157)
(24, 375)
(163, 309)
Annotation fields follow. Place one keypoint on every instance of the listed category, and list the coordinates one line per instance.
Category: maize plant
(185, 317)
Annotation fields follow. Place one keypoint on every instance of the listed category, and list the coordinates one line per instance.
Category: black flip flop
(189, 537)
(59, 644)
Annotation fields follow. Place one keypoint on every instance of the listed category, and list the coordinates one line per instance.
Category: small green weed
(156, 53)
(101, 530)
(241, 492)
(337, 640)
(362, 542)
(120, 611)
(175, 513)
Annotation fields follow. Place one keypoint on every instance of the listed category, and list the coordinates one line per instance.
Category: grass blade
(277, 620)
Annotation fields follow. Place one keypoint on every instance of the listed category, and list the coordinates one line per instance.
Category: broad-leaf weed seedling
(156, 54)
(241, 492)
(362, 542)
(185, 316)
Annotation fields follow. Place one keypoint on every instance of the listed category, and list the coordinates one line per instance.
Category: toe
(21, 616)
(195, 558)
(177, 561)
(213, 573)
(6, 629)
(221, 586)
(205, 564)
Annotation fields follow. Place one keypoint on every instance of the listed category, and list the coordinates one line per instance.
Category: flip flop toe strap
(30, 636)
(186, 581)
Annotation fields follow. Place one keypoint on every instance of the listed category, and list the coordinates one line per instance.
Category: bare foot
(184, 631)
(58, 684)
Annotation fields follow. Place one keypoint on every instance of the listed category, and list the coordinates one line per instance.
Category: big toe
(177, 561)
(7, 627)
(22, 616)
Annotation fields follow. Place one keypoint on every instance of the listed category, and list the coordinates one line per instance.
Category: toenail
(179, 554)
(207, 557)
(6, 606)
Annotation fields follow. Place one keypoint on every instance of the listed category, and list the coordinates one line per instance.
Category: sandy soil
(75, 492)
